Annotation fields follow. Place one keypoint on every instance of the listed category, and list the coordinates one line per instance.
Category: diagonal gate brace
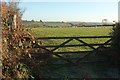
(96, 49)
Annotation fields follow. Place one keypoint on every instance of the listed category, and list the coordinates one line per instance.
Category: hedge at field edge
(116, 37)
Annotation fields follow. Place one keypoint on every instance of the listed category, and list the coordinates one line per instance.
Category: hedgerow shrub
(114, 54)
(116, 37)
(14, 42)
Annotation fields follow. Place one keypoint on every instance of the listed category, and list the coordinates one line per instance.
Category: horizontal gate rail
(75, 52)
(40, 38)
(77, 45)
(95, 49)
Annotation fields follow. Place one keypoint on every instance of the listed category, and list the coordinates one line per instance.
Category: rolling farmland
(83, 31)
(68, 32)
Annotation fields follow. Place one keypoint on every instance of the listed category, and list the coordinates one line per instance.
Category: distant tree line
(62, 24)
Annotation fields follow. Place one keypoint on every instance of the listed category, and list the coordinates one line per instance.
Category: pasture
(82, 31)
(90, 70)
(72, 32)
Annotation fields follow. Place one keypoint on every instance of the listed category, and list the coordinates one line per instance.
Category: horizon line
(65, 21)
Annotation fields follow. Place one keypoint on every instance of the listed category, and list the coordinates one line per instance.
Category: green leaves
(21, 71)
(116, 36)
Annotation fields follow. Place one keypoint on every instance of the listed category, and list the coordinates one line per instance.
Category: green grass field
(83, 31)
(68, 71)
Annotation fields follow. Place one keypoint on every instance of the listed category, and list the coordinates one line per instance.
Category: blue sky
(70, 11)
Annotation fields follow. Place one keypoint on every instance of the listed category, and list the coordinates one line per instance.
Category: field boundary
(79, 39)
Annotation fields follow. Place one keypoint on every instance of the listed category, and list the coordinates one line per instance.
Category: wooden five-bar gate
(52, 49)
